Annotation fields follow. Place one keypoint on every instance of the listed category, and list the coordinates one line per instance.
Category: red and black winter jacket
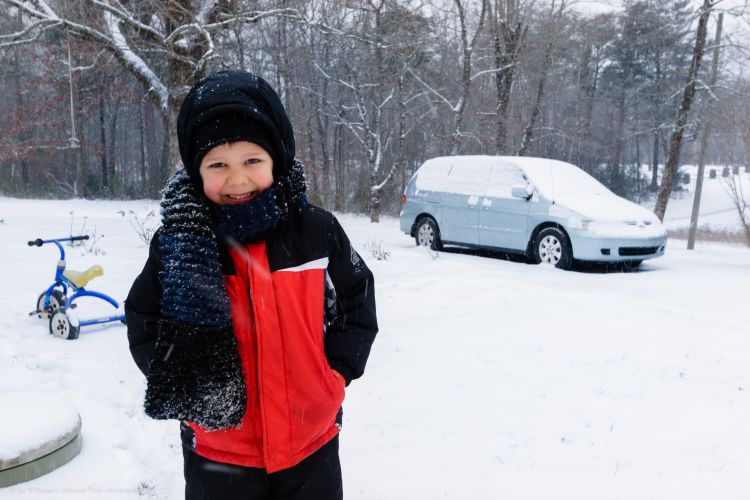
(302, 305)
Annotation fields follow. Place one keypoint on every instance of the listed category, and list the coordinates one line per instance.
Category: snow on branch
(130, 19)
(46, 8)
(493, 70)
(289, 14)
(79, 69)
(41, 24)
(17, 38)
(337, 80)
(433, 91)
(233, 20)
(132, 61)
(29, 8)
(114, 41)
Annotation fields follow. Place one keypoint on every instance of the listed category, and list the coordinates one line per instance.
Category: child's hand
(340, 378)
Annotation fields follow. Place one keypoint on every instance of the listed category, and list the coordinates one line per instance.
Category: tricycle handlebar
(39, 242)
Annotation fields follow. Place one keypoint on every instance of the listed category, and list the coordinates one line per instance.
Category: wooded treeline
(89, 89)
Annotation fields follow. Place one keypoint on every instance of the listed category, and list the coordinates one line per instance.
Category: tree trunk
(536, 109)
(704, 138)
(74, 141)
(170, 156)
(321, 120)
(153, 147)
(591, 91)
(657, 125)
(512, 32)
(22, 134)
(112, 154)
(576, 153)
(339, 167)
(467, 47)
(616, 158)
(655, 161)
(142, 143)
(375, 203)
(182, 75)
(675, 141)
(103, 143)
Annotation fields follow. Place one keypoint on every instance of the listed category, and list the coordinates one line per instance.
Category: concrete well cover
(39, 431)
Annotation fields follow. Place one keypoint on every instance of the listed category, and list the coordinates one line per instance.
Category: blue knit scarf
(195, 373)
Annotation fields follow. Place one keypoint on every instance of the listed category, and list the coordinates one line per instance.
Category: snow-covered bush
(144, 225)
(376, 250)
(89, 246)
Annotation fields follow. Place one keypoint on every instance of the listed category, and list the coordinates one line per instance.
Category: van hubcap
(550, 250)
(426, 235)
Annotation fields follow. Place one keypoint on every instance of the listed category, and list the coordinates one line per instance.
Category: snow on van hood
(570, 187)
(605, 207)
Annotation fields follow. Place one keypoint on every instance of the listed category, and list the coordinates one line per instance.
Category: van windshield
(556, 178)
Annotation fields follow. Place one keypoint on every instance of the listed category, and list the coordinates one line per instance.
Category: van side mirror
(520, 192)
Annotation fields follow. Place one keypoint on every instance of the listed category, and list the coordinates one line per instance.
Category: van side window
(502, 180)
(468, 178)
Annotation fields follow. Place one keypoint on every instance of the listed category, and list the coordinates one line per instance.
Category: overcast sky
(732, 23)
(599, 6)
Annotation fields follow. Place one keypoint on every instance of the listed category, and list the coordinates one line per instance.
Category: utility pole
(704, 136)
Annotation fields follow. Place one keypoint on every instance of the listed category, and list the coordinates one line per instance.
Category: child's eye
(252, 161)
(216, 165)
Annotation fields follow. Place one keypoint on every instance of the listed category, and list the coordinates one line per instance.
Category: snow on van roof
(455, 174)
(470, 173)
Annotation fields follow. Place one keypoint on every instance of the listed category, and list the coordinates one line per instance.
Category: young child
(253, 311)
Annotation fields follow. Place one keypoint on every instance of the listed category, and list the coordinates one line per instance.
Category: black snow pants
(317, 477)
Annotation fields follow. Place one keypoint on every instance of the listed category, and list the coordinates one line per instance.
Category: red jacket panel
(292, 393)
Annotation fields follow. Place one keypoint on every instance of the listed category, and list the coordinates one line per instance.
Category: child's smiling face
(236, 172)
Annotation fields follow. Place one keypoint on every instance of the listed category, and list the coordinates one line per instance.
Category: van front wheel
(552, 246)
(427, 234)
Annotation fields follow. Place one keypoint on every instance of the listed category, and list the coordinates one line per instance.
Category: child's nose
(237, 178)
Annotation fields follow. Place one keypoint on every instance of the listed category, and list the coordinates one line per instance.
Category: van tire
(631, 265)
(552, 246)
(427, 234)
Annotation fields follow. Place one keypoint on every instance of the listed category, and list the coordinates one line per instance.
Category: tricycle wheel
(64, 324)
(56, 301)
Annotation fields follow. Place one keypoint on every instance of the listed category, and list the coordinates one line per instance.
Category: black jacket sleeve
(351, 330)
(143, 306)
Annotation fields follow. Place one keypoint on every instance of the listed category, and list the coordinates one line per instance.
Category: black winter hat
(230, 106)
(230, 127)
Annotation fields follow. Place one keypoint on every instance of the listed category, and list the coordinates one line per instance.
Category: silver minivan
(549, 210)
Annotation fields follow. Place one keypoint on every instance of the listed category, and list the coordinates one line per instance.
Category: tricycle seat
(81, 278)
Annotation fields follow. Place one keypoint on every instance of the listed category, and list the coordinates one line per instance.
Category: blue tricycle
(55, 305)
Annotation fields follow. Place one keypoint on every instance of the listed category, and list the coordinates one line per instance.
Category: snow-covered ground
(489, 379)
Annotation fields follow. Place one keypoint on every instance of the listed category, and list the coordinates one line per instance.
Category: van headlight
(582, 223)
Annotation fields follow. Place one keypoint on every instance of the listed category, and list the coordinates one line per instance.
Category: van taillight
(403, 199)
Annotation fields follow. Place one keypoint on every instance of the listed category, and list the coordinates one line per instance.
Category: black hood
(238, 93)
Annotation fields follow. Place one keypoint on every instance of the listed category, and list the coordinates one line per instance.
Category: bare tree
(509, 33)
(736, 190)
(182, 32)
(554, 28)
(468, 45)
(688, 94)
